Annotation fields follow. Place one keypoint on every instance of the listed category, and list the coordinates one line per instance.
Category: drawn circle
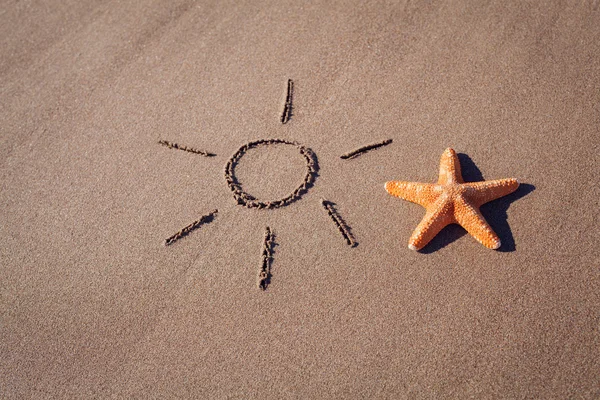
(246, 199)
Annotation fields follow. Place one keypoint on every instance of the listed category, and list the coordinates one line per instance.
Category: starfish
(452, 201)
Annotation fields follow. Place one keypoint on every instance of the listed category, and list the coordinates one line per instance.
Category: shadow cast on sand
(495, 213)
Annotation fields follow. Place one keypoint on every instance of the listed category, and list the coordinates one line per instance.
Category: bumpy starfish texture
(452, 201)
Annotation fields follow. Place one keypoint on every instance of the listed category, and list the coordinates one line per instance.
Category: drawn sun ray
(249, 201)
(286, 115)
(176, 146)
(339, 222)
(264, 274)
(205, 219)
(364, 149)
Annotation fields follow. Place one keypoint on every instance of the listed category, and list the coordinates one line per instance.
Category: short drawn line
(364, 149)
(264, 274)
(191, 227)
(287, 108)
(339, 222)
(172, 145)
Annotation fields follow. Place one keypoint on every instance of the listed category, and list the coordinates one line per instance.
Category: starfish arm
(436, 218)
(484, 192)
(470, 218)
(450, 171)
(419, 193)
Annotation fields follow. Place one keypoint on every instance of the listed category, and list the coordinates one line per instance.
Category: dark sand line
(364, 149)
(339, 222)
(287, 107)
(191, 227)
(264, 274)
(172, 145)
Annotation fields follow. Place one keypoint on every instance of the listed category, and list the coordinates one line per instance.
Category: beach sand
(94, 305)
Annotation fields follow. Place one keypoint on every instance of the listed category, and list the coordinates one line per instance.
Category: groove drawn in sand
(246, 199)
(339, 222)
(264, 274)
(364, 149)
(205, 219)
(176, 146)
(286, 115)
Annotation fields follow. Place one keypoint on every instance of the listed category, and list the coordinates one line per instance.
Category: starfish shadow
(449, 234)
(494, 212)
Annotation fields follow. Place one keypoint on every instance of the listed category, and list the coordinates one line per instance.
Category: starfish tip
(412, 247)
(450, 150)
(497, 245)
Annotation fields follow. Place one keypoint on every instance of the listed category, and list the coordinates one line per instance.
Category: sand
(94, 305)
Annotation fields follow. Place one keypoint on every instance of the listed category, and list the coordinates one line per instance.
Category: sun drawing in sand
(247, 200)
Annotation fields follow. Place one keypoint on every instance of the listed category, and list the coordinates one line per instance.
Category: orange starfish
(452, 201)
